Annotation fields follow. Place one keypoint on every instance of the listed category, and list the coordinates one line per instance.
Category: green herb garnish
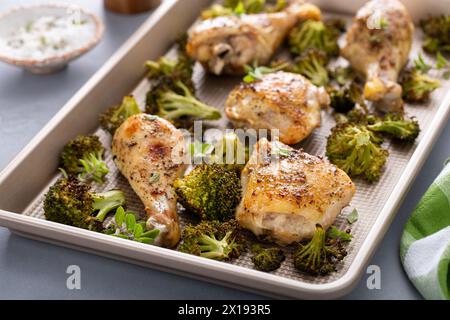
(200, 150)
(257, 72)
(337, 234)
(125, 226)
(353, 216)
(441, 62)
(421, 65)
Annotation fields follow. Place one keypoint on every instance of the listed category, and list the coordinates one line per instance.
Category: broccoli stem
(163, 65)
(403, 130)
(423, 85)
(417, 86)
(106, 201)
(317, 73)
(212, 248)
(312, 253)
(426, 85)
(128, 108)
(176, 106)
(311, 34)
(152, 65)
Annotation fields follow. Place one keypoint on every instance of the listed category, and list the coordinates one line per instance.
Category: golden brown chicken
(227, 44)
(378, 45)
(284, 199)
(285, 101)
(149, 151)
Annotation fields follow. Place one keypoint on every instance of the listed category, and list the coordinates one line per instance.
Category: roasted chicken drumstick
(149, 150)
(226, 44)
(378, 45)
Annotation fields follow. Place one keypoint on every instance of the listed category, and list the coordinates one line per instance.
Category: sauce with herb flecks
(48, 36)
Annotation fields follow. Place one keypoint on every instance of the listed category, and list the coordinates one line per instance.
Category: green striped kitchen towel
(425, 244)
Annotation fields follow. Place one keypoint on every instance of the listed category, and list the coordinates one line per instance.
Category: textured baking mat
(368, 200)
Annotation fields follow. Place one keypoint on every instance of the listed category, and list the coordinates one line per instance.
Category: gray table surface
(34, 270)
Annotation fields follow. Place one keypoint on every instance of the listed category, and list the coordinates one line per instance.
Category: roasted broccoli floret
(397, 127)
(343, 75)
(230, 8)
(312, 64)
(162, 67)
(417, 86)
(356, 150)
(213, 240)
(356, 116)
(71, 202)
(112, 118)
(437, 33)
(340, 99)
(171, 71)
(174, 101)
(83, 157)
(125, 226)
(238, 7)
(247, 6)
(172, 95)
(314, 34)
(276, 5)
(267, 259)
(336, 25)
(319, 256)
(343, 99)
(210, 191)
(216, 10)
(360, 116)
(254, 6)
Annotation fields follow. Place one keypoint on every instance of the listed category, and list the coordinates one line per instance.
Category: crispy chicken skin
(378, 45)
(227, 44)
(149, 150)
(284, 200)
(281, 100)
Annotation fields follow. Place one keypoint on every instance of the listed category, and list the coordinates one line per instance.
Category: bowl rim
(57, 58)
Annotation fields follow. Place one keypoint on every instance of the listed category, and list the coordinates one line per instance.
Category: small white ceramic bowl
(18, 17)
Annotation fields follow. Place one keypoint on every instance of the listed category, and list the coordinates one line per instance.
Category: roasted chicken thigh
(149, 151)
(285, 101)
(286, 192)
(226, 44)
(378, 45)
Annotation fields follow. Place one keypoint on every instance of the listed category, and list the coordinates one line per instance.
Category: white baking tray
(27, 178)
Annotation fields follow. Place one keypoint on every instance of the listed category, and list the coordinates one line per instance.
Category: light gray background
(35, 270)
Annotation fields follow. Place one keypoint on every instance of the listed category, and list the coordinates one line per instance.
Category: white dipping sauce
(48, 36)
